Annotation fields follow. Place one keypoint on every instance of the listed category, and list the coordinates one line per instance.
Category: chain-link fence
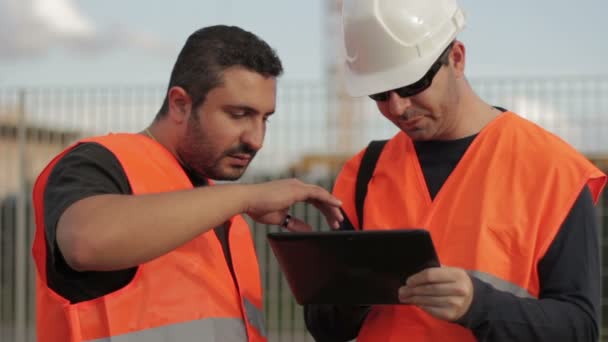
(311, 135)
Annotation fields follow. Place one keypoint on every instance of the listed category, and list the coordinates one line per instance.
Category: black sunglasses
(418, 86)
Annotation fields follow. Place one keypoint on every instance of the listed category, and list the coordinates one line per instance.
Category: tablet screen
(351, 267)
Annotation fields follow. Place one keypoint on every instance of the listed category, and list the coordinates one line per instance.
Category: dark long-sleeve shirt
(568, 305)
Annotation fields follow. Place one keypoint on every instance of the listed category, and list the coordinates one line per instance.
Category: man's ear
(180, 104)
(457, 58)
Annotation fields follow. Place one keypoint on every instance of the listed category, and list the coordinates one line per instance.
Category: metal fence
(310, 136)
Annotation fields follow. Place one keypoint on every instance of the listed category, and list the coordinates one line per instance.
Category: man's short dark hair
(211, 50)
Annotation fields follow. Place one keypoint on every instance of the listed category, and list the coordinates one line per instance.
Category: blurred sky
(132, 42)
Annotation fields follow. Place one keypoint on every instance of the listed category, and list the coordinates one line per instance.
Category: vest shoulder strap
(364, 175)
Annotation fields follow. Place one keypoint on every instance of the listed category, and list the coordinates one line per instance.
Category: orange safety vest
(187, 294)
(495, 216)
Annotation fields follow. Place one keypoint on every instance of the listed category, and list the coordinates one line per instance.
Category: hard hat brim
(358, 85)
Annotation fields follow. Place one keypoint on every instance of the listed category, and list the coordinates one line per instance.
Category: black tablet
(351, 267)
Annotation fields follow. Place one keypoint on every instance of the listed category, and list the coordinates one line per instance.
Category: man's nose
(397, 105)
(254, 135)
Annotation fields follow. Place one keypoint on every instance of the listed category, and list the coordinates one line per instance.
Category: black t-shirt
(439, 158)
(568, 274)
(88, 170)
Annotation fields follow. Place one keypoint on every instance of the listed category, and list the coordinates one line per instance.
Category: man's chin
(230, 174)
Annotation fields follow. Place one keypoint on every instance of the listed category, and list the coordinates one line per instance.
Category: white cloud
(62, 17)
(30, 28)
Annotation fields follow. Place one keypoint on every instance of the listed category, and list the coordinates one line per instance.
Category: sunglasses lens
(411, 90)
(380, 97)
(406, 91)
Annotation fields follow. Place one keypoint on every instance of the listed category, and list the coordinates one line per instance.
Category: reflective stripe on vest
(255, 317)
(501, 284)
(210, 329)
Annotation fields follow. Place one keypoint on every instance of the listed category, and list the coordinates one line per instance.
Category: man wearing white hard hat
(510, 207)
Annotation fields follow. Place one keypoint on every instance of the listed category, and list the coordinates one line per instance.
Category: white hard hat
(393, 43)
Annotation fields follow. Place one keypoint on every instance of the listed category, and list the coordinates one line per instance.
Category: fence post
(20, 231)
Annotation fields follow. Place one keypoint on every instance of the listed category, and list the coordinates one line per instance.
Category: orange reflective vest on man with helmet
(183, 294)
(495, 216)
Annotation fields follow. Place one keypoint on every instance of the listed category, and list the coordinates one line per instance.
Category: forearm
(111, 232)
(334, 323)
(569, 277)
(501, 316)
